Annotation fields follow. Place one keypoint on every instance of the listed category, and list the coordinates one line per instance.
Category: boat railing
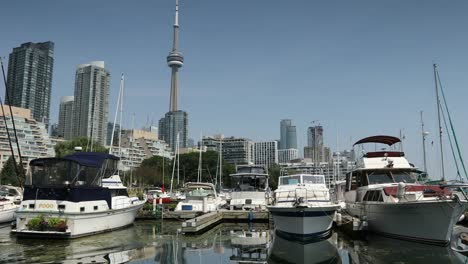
(305, 194)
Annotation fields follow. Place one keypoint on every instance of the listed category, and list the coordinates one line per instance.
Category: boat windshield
(290, 180)
(200, 192)
(249, 184)
(60, 172)
(313, 179)
(403, 177)
(258, 170)
(380, 177)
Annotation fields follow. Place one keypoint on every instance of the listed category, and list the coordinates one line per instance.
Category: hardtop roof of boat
(88, 159)
(388, 140)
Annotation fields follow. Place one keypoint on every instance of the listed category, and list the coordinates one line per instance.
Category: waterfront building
(288, 136)
(315, 149)
(30, 68)
(138, 145)
(110, 127)
(34, 141)
(91, 102)
(236, 151)
(266, 153)
(175, 122)
(286, 155)
(65, 117)
(172, 124)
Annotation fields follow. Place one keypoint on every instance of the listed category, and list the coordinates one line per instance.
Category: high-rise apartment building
(237, 151)
(138, 145)
(266, 153)
(286, 155)
(34, 141)
(29, 80)
(172, 124)
(91, 104)
(288, 136)
(65, 117)
(315, 149)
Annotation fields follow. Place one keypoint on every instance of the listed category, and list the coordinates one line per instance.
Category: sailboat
(200, 196)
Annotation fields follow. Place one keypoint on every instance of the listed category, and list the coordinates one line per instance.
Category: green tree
(8, 174)
(274, 173)
(68, 147)
(150, 171)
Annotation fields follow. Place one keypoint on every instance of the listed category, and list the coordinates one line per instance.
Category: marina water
(159, 242)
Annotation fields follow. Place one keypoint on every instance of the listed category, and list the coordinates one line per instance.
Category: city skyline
(360, 70)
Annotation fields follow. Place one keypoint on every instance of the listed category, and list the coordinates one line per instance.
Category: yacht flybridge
(383, 192)
(74, 196)
(251, 191)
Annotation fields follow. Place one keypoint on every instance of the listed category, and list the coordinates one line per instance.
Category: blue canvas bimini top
(88, 159)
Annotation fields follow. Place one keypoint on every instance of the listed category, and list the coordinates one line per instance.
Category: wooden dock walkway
(203, 222)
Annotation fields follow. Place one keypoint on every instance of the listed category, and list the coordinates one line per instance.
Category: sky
(360, 67)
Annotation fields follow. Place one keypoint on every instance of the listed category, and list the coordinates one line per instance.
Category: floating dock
(205, 221)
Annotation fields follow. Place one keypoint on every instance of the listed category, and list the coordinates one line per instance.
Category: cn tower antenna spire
(175, 60)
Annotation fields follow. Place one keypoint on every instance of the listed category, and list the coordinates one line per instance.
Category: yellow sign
(46, 206)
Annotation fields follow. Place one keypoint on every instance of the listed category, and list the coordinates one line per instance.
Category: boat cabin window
(58, 172)
(118, 192)
(373, 196)
(380, 177)
(356, 179)
(290, 180)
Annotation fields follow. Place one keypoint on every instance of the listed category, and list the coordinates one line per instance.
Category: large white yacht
(302, 208)
(251, 191)
(74, 196)
(384, 193)
(200, 197)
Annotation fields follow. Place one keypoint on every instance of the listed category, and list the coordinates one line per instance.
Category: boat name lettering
(46, 206)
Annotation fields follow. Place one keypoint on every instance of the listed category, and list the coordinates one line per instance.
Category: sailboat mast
(438, 117)
(200, 160)
(423, 134)
(220, 164)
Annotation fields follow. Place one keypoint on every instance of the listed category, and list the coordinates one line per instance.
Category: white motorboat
(251, 191)
(302, 208)
(74, 196)
(12, 192)
(8, 206)
(383, 193)
(200, 197)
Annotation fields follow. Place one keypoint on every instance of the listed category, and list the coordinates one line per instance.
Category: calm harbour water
(157, 242)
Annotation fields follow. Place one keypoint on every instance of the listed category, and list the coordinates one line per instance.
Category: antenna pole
(423, 134)
(438, 117)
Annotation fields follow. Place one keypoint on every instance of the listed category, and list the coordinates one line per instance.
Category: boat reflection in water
(250, 246)
(377, 249)
(294, 251)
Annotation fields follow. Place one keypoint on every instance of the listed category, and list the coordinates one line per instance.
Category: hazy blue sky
(360, 67)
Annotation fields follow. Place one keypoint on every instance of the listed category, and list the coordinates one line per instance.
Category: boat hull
(7, 215)
(303, 223)
(80, 224)
(427, 222)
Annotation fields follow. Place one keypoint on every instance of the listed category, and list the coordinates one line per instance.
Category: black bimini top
(88, 159)
(388, 140)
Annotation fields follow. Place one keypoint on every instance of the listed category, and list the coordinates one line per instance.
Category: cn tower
(175, 60)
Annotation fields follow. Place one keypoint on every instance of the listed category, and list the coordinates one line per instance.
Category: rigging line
(451, 127)
(18, 173)
(451, 144)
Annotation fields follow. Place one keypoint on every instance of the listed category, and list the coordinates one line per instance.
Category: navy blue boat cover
(88, 159)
